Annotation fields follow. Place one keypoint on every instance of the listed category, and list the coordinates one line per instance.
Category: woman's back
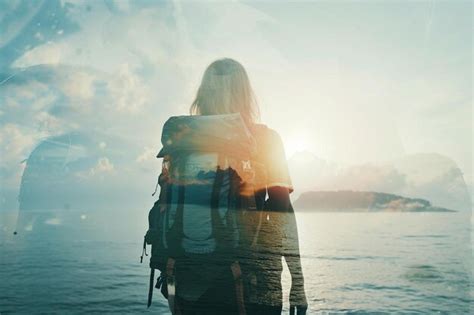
(225, 89)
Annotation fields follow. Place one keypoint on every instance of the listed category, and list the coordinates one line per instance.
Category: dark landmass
(362, 201)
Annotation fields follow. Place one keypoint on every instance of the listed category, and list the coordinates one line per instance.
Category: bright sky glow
(350, 82)
(296, 143)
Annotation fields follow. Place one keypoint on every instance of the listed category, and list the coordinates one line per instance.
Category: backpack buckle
(246, 165)
(249, 172)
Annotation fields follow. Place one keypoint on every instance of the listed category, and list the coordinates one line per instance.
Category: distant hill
(430, 176)
(362, 201)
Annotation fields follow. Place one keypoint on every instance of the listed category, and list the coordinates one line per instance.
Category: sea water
(88, 262)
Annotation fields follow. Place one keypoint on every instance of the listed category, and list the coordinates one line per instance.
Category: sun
(296, 143)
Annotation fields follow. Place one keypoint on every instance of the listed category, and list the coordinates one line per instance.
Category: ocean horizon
(404, 263)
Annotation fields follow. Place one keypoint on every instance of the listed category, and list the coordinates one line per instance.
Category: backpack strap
(176, 234)
(150, 288)
(171, 283)
(217, 225)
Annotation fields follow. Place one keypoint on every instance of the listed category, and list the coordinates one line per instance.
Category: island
(362, 201)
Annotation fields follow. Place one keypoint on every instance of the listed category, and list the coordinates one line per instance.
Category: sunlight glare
(296, 143)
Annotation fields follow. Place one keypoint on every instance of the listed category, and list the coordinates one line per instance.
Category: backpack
(206, 196)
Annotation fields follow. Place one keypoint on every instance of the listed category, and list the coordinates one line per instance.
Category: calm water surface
(83, 263)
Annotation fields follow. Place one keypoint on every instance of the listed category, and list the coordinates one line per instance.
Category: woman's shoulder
(268, 140)
(262, 131)
(272, 153)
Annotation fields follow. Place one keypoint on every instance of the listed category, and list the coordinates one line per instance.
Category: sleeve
(277, 167)
(278, 181)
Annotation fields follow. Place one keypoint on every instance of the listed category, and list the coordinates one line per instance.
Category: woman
(225, 89)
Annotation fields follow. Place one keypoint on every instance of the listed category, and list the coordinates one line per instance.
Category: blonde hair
(225, 89)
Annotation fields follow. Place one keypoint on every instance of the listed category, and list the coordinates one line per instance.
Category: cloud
(384, 178)
(49, 53)
(128, 91)
(26, 25)
(401, 203)
(49, 124)
(34, 94)
(148, 154)
(16, 143)
(79, 85)
(102, 168)
(53, 221)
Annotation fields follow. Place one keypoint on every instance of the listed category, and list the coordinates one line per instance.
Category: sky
(353, 83)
